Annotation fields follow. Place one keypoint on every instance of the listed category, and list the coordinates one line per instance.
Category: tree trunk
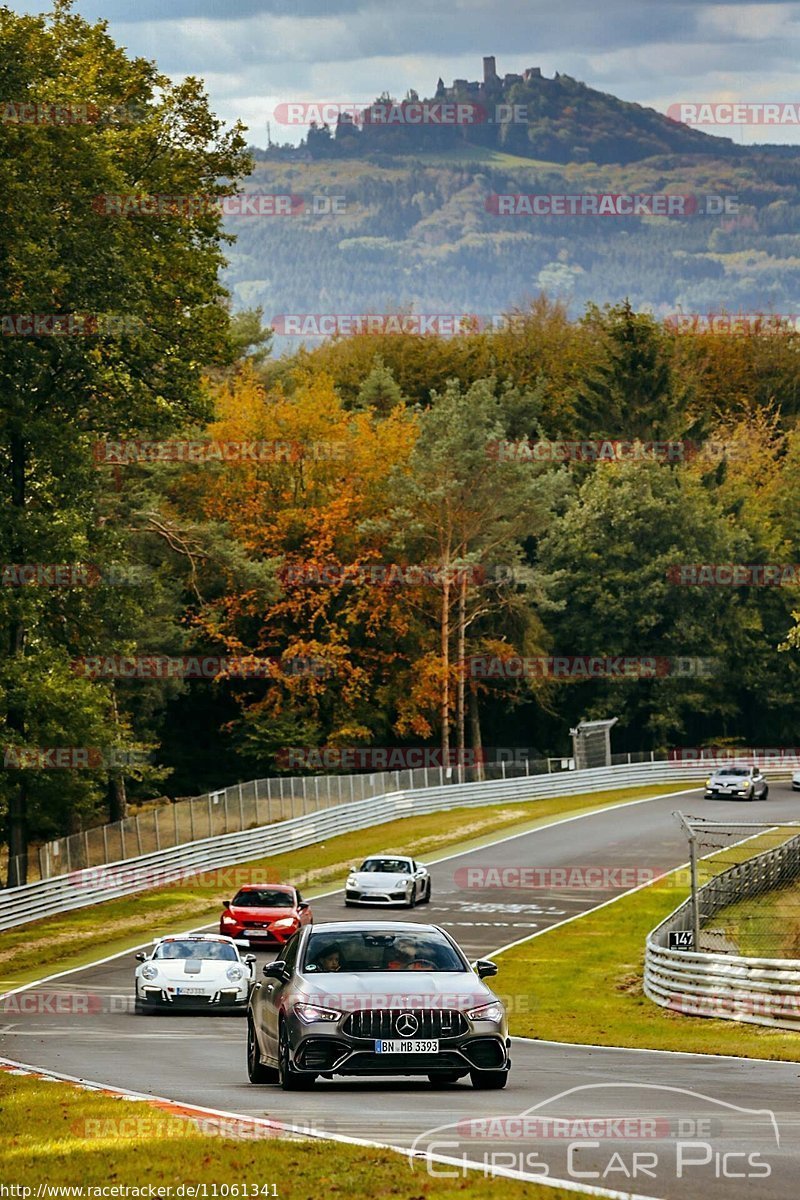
(117, 792)
(445, 709)
(117, 798)
(17, 816)
(462, 634)
(475, 731)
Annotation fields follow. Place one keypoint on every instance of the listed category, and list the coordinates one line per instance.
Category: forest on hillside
(341, 531)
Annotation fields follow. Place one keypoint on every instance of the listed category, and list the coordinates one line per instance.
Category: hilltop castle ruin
(491, 85)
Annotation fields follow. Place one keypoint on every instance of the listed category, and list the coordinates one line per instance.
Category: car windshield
(264, 898)
(222, 951)
(733, 771)
(381, 950)
(387, 866)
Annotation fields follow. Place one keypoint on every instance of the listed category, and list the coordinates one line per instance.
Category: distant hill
(560, 120)
(398, 217)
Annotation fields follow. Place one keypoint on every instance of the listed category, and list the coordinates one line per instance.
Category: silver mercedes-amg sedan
(372, 999)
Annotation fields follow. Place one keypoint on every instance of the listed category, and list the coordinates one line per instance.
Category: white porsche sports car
(193, 970)
(388, 879)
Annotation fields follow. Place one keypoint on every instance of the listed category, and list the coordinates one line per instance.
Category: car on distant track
(265, 914)
(796, 781)
(376, 999)
(197, 971)
(388, 879)
(738, 781)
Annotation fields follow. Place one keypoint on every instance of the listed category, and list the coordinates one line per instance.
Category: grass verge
(586, 980)
(75, 938)
(765, 926)
(59, 1135)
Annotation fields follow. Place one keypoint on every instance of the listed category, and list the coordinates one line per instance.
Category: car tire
(291, 1080)
(486, 1081)
(426, 897)
(411, 902)
(256, 1071)
(766, 793)
(439, 1079)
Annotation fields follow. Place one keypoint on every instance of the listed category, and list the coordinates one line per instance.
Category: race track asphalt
(698, 1127)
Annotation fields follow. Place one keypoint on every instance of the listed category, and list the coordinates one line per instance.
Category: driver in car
(409, 957)
(329, 959)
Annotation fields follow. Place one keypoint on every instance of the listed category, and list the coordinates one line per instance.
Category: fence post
(316, 795)
(155, 826)
(209, 814)
(175, 821)
(191, 818)
(241, 810)
(225, 806)
(503, 768)
(105, 844)
(138, 833)
(122, 837)
(86, 846)
(693, 876)
(258, 811)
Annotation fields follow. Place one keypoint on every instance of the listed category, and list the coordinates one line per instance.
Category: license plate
(256, 932)
(431, 1046)
(191, 991)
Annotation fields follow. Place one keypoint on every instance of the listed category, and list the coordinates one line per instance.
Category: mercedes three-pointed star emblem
(406, 1024)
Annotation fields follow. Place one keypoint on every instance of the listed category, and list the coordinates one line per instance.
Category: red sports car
(266, 913)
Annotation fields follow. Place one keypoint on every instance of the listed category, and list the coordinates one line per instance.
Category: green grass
(56, 1134)
(765, 926)
(479, 154)
(76, 938)
(585, 982)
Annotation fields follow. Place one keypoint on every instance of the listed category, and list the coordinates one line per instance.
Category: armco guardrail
(264, 802)
(761, 991)
(93, 885)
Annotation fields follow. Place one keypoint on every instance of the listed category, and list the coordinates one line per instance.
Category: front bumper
(160, 997)
(262, 937)
(715, 793)
(358, 896)
(321, 1050)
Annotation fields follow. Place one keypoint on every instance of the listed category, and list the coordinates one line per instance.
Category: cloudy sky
(254, 54)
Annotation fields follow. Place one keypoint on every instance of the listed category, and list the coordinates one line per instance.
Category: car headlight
(149, 971)
(710, 782)
(488, 1012)
(235, 974)
(229, 921)
(284, 923)
(352, 881)
(312, 1012)
(402, 883)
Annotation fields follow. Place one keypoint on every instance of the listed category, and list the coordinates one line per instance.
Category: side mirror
(141, 956)
(276, 970)
(226, 903)
(249, 959)
(302, 906)
(484, 968)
